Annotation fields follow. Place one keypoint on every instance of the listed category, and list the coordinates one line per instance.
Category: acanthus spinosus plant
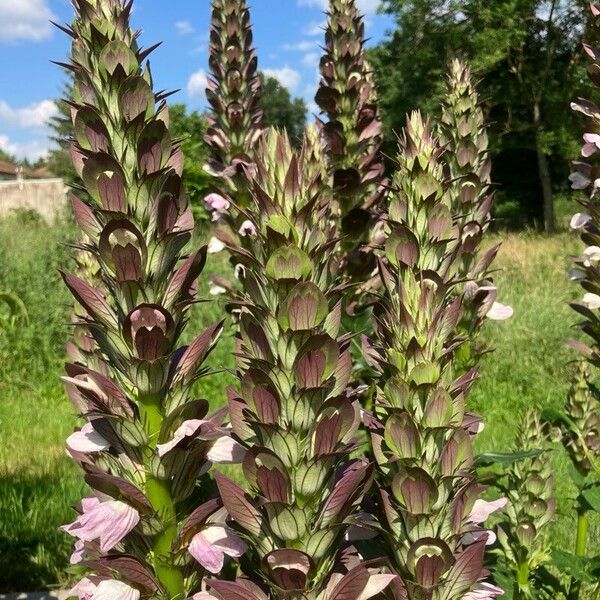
(146, 441)
(352, 137)
(235, 121)
(580, 429)
(292, 411)
(529, 509)
(464, 135)
(429, 511)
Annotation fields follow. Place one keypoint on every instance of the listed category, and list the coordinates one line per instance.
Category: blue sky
(287, 36)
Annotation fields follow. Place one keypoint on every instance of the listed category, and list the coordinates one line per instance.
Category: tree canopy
(527, 53)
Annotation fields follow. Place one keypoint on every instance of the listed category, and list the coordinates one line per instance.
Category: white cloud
(196, 85)
(301, 46)
(24, 20)
(311, 59)
(34, 116)
(365, 6)
(286, 76)
(315, 28)
(31, 150)
(182, 27)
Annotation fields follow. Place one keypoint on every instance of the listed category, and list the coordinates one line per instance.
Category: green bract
(420, 431)
(145, 442)
(292, 411)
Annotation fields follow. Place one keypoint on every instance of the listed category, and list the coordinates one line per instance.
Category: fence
(45, 196)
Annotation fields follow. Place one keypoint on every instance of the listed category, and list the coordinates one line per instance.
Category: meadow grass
(38, 483)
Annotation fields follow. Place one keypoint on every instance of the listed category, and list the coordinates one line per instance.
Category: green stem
(522, 583)
(580, 545)
(158, 492)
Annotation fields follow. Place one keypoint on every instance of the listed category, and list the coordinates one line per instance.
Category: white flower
(87, 440)
(592, 144)
(215, 245)
(484, 591)
(239, 271)
(592, 301)
(217, 290)
(578, 181)
(579, 220)
(247, 228)
(210, 546)
(226, 451)
(100, 588)
(591, 256)
(500, 312)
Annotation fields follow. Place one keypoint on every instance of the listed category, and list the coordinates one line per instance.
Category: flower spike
(428, 508)
(291, 411)
(131, 379)
(351, 134)
(464, 136)
(233, 89)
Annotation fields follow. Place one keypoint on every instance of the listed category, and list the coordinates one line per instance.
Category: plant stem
(580, 544)
(522, 579)
(158, 492)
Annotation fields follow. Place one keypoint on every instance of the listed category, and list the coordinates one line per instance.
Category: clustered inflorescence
(428, 508)
(146, 441)
(464, 137)
(309, 233)
(582, 432)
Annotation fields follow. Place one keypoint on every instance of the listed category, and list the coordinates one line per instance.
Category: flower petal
(500, 312)
(87, 440)
(208, 555)
(226, 451)
(482, 509)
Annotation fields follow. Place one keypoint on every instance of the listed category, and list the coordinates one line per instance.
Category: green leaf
(591, 495)
(505, 459)
(579, 568)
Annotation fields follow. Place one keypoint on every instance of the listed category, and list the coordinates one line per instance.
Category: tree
(527, 52)
(280, 110)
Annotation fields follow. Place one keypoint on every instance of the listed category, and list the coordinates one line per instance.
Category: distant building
(31, 189)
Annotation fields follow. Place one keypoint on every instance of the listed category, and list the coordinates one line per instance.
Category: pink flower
(210, 546)
(87, 440)
(592, 144)
(579, 220)
(78, 553)
(100, 588)
(108, 522)
(482, 509)
(484, 591)
(217, 204)
(500, 312)
(247, 228)
(224, 450)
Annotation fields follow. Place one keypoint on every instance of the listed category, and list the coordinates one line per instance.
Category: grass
(38, 484)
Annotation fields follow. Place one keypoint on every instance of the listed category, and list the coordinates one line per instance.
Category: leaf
(591, 495)
(579, 568)
(129, 568)
(238, 505)
(504, 459)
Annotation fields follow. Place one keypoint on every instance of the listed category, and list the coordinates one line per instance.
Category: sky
(287, 36)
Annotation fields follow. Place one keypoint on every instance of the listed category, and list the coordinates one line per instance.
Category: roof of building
(7, 168)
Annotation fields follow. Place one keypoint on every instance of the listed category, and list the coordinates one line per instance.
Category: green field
(38, 484)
